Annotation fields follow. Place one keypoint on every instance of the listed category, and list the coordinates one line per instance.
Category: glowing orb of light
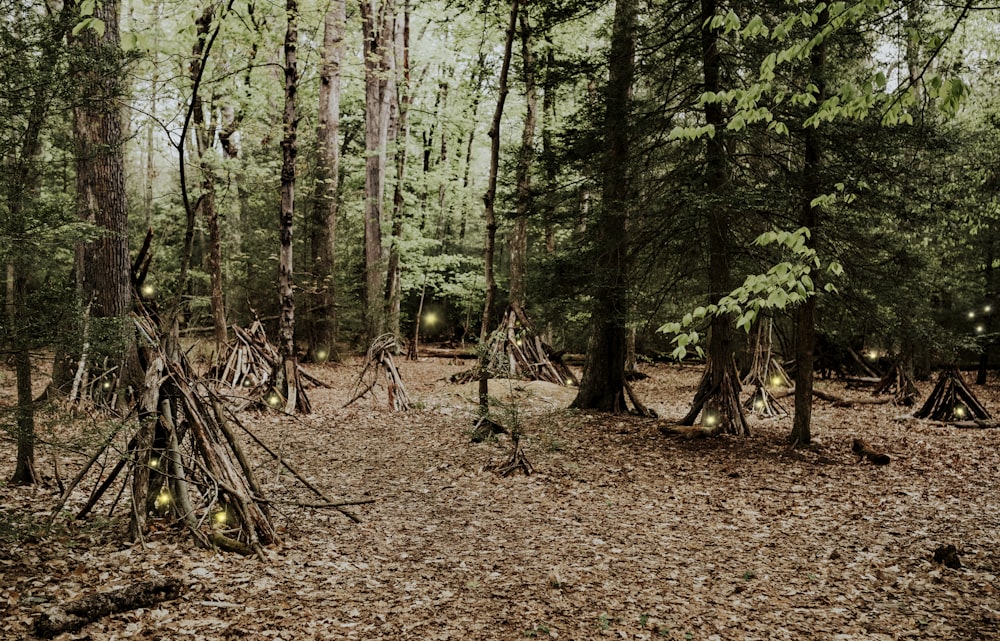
(569, 381)
(321, 355)
(430, 318)
(873, 355)
(154, 462)
(106, 385)
(273, 400)
(163, 499)
(980, 329)
(220, 517)
(758, 404)
(959, 411)
(518, 341)
(775, 381)
(709, 420)
(988, 309)
(148, 290)
(247, 382)
(972, 314)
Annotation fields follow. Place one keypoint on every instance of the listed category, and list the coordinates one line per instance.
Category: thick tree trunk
(377, 27)
(326, 204)
(100, 168)
(525, 159)
(603, 384)
(489, 202)
(805, 343)
(717, 399)
(286, 328)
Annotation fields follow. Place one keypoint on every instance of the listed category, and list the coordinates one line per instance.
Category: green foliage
(785, 285)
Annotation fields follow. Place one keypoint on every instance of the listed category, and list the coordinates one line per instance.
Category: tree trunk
(286, 329)
(489, 200)
(101, 195)
(525, 159)
(603, 384)
(805, 343)
(717, 399)
(393, 293)
(24, 472)
(377, 26)
(326, 203)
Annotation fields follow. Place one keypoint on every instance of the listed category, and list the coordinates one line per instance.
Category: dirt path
(622, 532)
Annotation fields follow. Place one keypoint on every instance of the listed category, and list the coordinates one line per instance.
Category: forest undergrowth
(622, 532)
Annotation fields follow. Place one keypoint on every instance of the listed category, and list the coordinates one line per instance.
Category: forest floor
(621, 532)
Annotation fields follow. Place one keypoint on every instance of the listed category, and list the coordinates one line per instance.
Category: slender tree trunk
(286, 331)
(377, 26)
(326, 203)
(525, 160)
(204, 133)
(603, 383)
(393, 293)
(805, 343)
(489, 202)
(24, 471)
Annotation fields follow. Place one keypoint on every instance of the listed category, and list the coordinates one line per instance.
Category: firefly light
(154, 462)
(163, 499)
(758, 404)
(273, 400)
(972, 314)
(709, 420)
(775, 381)
(980, 329)
(220, 517)
(148, 290)
(873, 355)
(988, 309)
(959, 411)
(430, 318)
(321, 355)
(106, 385)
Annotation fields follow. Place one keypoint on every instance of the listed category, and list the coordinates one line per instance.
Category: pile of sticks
(515, 350)
(765, 375)
(379, 357)
(952, 401)
(184, 459)
(252, 363)
(898, 383)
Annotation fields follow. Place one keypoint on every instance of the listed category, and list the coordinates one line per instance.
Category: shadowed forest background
(227, 226)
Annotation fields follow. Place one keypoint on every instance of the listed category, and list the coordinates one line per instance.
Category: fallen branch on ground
(865, 451)
(75, 615)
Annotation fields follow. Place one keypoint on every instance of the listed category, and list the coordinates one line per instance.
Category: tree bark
(489, 202)
(717, 399)
(805, 343)
(377, 27)
(204, 137)
(393, 293)
(525, 159)
(326, 203)
(286, 300)
(603, 384)
(100, 170)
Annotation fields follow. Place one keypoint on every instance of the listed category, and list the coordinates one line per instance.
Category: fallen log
(865, 451)
(75, 615)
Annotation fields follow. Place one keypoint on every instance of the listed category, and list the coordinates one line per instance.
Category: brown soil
(622, 532)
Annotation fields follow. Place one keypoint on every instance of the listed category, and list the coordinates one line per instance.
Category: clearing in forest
(621, 532)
